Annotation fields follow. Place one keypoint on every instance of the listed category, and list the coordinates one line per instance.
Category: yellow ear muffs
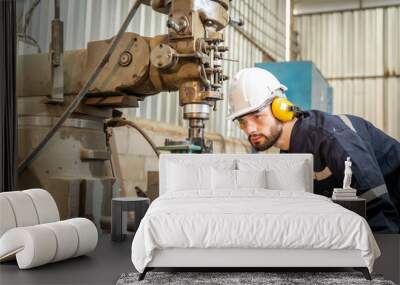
(283, 109)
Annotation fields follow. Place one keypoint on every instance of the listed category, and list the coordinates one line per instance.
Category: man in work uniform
(257, 102)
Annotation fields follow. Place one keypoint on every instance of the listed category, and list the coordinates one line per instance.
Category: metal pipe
(119, 122)
(56, 54)
(288, 29)
(57, 9)
(75, 103)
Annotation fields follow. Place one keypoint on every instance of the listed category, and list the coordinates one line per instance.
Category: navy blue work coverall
(375, 160)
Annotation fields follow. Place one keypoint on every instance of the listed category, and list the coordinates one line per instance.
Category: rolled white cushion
(67, 240)
(45, 205)
(87, 235)
(37, 245)
(33, 246)
(23, 208)
(7, 218)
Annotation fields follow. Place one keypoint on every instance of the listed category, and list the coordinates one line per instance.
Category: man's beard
(264, 143)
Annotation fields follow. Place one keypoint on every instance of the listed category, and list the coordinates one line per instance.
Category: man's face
(262, 128)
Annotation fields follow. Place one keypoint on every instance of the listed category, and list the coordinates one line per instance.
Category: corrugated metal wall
(87, 20)
(359, 53)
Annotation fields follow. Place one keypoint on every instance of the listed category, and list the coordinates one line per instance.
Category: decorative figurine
(345, 193)
(347, 174)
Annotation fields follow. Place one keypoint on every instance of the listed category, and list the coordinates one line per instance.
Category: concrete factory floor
(102, 266)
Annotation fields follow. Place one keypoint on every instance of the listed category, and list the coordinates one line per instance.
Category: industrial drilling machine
(65, 98)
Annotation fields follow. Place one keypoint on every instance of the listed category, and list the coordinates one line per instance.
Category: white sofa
(31, 230)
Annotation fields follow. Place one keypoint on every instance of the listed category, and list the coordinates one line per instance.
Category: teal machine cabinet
(307, 88)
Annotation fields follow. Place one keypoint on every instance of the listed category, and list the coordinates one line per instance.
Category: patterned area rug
(231, 278)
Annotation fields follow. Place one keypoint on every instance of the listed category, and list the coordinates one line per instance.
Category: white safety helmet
(251, 89)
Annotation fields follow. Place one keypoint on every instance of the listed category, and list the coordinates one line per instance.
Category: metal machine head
(188, 59)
